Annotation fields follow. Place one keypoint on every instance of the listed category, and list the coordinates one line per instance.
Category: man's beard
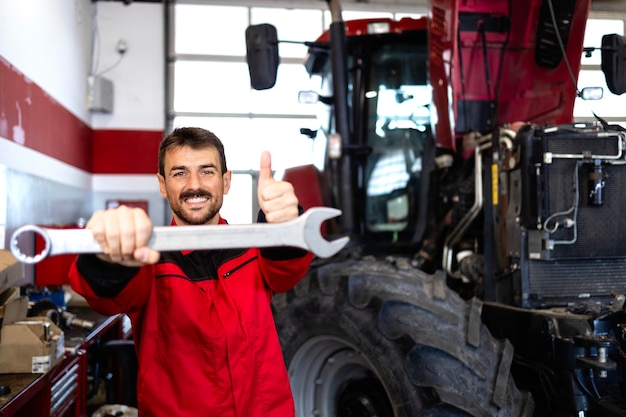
(210, 211)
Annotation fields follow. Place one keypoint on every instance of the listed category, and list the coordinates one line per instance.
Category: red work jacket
(204, 331)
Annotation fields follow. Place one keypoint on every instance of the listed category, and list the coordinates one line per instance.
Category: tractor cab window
(397, 101)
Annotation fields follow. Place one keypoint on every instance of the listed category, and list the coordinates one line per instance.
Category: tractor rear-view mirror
(262, 55)
(592, 93)
(614, 62)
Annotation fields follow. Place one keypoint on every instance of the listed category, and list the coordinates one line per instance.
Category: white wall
(139, 78)
(48, 41)
(51, 42)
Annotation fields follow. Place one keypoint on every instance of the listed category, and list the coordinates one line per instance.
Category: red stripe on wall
(32, 118)
(125, 151)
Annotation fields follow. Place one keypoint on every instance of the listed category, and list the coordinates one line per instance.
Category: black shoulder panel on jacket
(105, 279)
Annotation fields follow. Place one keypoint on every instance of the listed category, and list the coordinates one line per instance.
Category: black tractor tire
(365, 338)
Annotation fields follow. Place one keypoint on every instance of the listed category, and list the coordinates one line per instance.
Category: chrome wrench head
(313, 233)
(23, 257)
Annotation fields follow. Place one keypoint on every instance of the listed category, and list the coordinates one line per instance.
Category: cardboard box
(32, 345)
(11, 270)
(27, 344)
(13, 307)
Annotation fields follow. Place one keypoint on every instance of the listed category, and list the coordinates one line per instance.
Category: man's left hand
(277, 199)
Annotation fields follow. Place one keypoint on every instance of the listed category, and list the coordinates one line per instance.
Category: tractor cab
(390, 114)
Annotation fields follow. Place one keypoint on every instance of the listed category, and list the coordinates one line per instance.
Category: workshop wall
(125, 142)
(58, 160)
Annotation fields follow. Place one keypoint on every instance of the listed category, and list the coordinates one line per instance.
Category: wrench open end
(16, 245)
(312, 231)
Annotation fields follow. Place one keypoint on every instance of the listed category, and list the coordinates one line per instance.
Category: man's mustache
(194, 193)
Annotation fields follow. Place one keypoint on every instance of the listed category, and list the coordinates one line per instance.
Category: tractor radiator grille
(561, 282)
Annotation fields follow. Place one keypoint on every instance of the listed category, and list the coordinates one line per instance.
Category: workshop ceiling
(596, 5)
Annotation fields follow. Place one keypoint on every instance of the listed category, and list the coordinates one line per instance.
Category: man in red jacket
(202, 322)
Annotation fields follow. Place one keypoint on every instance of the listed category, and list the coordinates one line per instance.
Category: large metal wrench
(303, 232)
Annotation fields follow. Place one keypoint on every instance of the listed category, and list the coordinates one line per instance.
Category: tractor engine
(563, 192)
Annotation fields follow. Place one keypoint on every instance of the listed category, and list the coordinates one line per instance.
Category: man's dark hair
(194, 137)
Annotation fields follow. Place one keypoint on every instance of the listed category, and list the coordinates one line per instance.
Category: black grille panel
(551, 283)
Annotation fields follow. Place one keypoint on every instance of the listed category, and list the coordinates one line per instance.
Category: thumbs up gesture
(277, 199)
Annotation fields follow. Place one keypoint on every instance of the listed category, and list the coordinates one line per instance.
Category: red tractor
(487, 266)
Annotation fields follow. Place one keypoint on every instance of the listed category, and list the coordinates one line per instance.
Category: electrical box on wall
(100, 94)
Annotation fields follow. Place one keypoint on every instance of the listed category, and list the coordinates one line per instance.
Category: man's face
(194, 184)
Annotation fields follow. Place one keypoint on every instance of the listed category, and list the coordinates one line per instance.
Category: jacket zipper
(235, 269)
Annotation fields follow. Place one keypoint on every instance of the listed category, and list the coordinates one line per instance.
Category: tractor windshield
(396, 123)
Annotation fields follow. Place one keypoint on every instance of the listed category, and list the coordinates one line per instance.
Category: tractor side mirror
(262, 55)
(592, 93)
(614, 62)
